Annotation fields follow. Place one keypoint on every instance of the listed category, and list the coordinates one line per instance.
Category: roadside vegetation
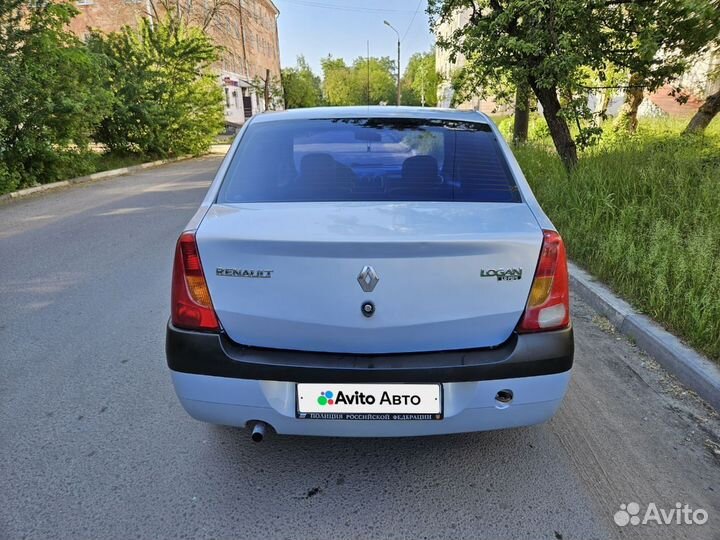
(71, 107)
(637, 200)
(641, 213)
(365, 81)
(560, 53)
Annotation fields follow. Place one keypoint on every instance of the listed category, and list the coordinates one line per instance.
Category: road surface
(94, 444)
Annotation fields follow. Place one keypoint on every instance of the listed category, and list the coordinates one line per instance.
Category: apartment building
(446, 68)
(246, 29)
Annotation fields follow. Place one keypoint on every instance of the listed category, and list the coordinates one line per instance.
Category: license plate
(369, 401)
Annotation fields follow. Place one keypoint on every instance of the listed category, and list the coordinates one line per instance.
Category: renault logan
(370, 271)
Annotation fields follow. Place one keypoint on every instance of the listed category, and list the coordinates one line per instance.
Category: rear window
(368, 159)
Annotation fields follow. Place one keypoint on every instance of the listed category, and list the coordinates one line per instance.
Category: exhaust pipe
(258, 432)
(503, 399)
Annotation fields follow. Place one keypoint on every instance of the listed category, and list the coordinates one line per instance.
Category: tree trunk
(604, 103)
(559, 130)
(267, 89)
(627, 118)
(704, 115)
(522, 114)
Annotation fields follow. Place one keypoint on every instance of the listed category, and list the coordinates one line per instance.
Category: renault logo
(368, 279)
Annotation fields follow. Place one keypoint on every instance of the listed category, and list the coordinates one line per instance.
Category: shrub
(52, 96)
(166, 99)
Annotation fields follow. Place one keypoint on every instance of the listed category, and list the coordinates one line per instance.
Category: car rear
(370, 274)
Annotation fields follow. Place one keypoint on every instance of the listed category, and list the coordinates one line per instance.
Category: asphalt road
(93, 443)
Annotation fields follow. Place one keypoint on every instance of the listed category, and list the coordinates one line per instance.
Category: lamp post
(398, 60)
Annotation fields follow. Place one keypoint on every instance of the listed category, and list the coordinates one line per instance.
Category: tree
(521, 120)
(337, 81)
(167, 100)
(52, 96)
(301, 87)
(627, 120)
(704, 115)
(365, 81)
(550, 43)
(420, 80)
(270, 88)
(710, 108)
(605, 83)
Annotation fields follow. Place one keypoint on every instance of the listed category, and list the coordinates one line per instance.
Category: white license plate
(369, 401)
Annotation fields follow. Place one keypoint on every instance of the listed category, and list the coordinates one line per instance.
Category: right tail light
(548, 306)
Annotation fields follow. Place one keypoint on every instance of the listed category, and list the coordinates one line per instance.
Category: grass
(642, 213)
(107, 162)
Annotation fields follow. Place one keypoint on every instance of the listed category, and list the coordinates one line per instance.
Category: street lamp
(398, 61)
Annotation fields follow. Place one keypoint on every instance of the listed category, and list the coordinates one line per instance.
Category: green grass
(107, 162)
(643, 215)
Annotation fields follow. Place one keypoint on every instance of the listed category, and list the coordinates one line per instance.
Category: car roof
(375, 111)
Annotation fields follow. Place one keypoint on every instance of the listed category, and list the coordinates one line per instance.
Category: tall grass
(642, 213)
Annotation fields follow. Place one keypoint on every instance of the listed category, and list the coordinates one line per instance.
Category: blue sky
(315, 28)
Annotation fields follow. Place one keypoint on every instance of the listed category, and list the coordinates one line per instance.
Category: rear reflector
(192, 307)
(548, 306)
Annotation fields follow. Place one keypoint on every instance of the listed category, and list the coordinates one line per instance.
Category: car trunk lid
(449, 275)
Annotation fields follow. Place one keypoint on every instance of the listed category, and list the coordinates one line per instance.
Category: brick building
(246, 29)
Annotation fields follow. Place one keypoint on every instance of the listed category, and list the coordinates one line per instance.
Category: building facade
(246, 29)
(447, 68)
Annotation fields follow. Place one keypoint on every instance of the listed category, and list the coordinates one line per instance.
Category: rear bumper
(467, 406)
(522, 355)
(220, 382)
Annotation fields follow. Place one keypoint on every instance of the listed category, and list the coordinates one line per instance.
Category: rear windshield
(368, 159)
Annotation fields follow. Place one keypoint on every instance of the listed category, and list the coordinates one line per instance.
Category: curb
(102, 175)
(691, 368)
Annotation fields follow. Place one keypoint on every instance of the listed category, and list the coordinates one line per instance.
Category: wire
(357, 9)
(412, 20)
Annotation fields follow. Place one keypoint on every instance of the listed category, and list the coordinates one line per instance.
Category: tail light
(548, 307)
(192, 307)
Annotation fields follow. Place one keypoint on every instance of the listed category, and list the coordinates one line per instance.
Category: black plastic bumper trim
(522, 355)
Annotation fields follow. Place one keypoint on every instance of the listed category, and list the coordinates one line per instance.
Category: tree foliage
(349, 85)
(549, 43)
(420, 80)
(166, 99)
(301, 87)
(52, 96)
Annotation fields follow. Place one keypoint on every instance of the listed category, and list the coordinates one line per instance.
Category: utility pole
(398, 60)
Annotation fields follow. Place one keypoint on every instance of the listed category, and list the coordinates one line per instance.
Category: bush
(642, 215)
(166, 99)
(52, 96)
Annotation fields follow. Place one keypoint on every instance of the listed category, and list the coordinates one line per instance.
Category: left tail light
(192, 307)
(548, 306)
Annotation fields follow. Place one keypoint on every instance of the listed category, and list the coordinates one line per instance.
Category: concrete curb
(103, 175)
(691, 368)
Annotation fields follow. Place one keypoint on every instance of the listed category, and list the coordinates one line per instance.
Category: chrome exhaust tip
(258, 432)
